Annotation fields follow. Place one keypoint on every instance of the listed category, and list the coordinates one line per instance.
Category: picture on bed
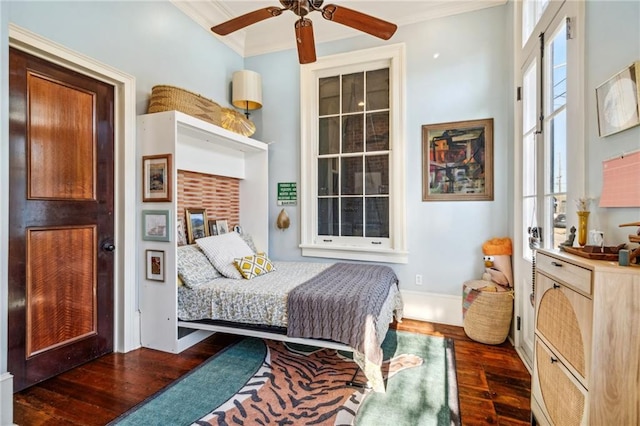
(196, 224)
(213, 228)
(182, 237)
(155, 265)
(222, 225)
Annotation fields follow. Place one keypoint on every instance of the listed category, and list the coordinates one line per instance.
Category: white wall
(471, 79)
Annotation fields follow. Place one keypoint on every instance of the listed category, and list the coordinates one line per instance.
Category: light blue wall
(153, 41)
(612, 44)
(471, 79)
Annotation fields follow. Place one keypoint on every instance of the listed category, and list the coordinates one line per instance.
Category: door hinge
(519, 94)
(569, 25)
(518, 321)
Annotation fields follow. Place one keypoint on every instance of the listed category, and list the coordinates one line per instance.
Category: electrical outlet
(418, 279)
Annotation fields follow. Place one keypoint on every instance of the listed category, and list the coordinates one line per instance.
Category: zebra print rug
(260, 382)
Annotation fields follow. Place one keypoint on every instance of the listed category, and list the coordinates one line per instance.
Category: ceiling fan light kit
(304, 27)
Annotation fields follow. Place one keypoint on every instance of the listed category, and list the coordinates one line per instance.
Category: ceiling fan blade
(245, 20)
(305, 42)
(360, 21)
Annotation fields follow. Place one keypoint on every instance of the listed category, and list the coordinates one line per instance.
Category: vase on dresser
(583, 220)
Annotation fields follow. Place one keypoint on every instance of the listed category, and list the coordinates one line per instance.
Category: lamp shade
(247, 90)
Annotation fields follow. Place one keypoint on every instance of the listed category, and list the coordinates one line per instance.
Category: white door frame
(126, 314)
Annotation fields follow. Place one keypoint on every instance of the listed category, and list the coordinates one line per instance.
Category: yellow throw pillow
(252, 266)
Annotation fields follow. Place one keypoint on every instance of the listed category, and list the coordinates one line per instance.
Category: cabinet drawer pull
(559, 265)
(554, 360)
(556, 285)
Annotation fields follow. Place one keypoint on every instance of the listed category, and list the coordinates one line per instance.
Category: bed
(303, 302)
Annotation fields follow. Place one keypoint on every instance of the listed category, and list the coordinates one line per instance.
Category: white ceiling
(276, 33)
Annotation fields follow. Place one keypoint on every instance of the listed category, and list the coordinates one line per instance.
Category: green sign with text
(287, 193)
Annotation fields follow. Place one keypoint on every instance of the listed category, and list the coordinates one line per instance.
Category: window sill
(356, 253)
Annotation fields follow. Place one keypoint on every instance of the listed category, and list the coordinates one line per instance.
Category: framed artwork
(617, 101)
(213, 228)
(156, 178)
(222, 225)
(181, 235)
(457, 161)
(196, 224)
(155, 225)
(155, 265)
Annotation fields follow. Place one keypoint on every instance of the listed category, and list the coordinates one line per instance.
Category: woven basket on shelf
(486, 314)
(169, 98)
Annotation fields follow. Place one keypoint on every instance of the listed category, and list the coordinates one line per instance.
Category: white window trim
(395, 251)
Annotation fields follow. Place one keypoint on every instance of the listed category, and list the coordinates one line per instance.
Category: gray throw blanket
(342, 304)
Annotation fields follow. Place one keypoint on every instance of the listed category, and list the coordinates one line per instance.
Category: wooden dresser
(586, 368)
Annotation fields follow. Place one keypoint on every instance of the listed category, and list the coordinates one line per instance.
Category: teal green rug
(259, 382)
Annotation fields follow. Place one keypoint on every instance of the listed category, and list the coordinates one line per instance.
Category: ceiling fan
(303, 26)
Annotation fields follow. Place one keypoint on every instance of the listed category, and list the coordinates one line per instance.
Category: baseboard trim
(6, 399)
(433, 307)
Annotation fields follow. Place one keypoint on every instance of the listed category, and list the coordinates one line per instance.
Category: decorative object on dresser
(156, 225)
(156, 177)
(196, 224)
(582, 207)
(457, 161)
(587, 339)
(634, 254)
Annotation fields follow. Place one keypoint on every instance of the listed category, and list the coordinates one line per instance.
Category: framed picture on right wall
(618, 101)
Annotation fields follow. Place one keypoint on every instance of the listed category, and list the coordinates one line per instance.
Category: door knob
(108, 247)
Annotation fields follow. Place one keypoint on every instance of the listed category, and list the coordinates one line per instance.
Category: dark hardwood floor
(493, 384)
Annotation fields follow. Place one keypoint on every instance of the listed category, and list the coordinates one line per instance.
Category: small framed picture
(155, 265)
(222, 225)
(181, 235)
(213, 228)
(156, 178)
(155, 225)
(196, 224)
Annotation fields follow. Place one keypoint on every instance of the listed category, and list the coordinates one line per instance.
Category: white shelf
(202, 147)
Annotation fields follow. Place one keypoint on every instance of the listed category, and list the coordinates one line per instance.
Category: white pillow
(222, 250)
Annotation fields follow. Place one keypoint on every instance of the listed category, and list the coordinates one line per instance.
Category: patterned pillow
(221, 250)
(252, 266)
(193, 266)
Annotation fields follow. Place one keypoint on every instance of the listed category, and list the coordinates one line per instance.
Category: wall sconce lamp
(283, 222)
(246, 91)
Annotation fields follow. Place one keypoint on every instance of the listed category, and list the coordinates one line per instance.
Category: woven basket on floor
(486, 314)
(169, 98)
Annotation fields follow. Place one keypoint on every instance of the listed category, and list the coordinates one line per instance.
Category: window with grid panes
(352, 185)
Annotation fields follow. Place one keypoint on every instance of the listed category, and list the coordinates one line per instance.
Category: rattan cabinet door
(562, 398)
(563, 321)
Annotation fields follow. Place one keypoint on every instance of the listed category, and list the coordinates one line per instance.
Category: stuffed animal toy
(497, 261)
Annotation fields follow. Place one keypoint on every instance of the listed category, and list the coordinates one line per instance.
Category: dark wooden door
(60, 219)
